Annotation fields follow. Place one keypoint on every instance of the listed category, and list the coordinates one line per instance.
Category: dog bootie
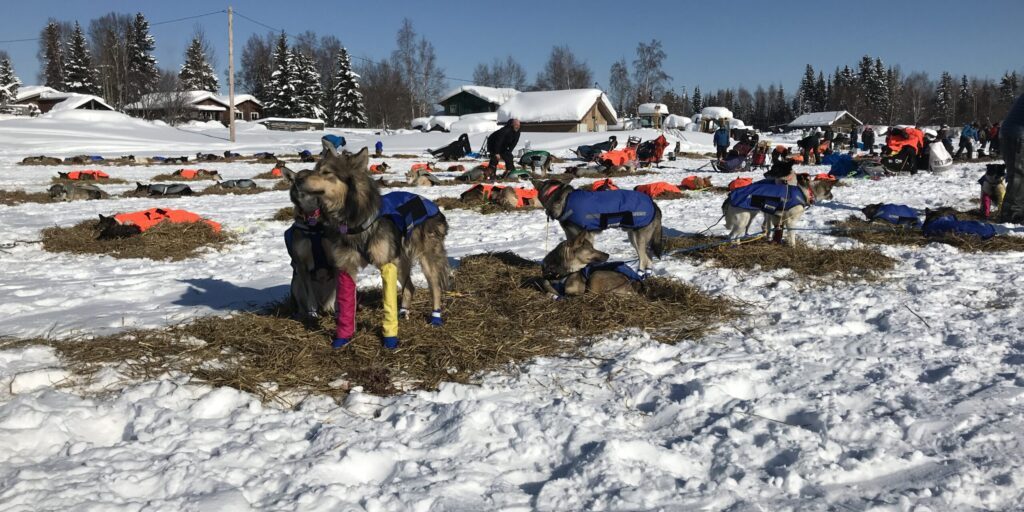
(986, 205)
(435, 318)
(390, 342)
(339, 342)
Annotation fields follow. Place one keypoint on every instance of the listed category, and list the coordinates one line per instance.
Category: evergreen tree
(965, 102)
(79, 76)
(281, 97)
(806, 93)
(345, 104)
(943, 102)
(53, 56)
(1008, 87)
(308, 92)
(196, 73)
(878, 91)
(9, 82)
(820, 93)
(142, 71)
(781, 113)
(698, 101)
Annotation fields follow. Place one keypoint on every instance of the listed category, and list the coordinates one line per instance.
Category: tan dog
(744, 204)
(574, 267)
(993, 189)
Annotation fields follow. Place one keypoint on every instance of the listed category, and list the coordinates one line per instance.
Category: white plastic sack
(939, 159)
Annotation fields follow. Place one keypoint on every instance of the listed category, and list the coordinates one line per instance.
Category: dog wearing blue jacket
(582, 212)
(574, 267)
(781, 203)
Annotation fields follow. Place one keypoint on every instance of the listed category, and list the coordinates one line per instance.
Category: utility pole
(231, 76)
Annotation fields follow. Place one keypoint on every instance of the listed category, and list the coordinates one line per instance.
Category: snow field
(827, 395)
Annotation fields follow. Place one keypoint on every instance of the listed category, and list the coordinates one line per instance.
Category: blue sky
(709, 43)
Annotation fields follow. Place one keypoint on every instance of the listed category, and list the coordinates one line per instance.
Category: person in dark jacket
(993, 136)
(1011, 143)
(853, 139)
(967, 137)
(946, 138)
(869, 139)
(721, 140)
(809, 147)
(501, 143)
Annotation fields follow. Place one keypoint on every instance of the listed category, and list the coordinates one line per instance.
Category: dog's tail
(657, 241)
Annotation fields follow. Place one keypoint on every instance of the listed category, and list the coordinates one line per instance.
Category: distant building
(571, 110)
(47, 98)
(474, 99)
(652, 114)
(195, 106)
(839, 120)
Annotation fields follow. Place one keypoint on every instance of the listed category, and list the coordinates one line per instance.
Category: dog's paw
(390, 342)
(435, 318)
(403, 313)
(339, 342)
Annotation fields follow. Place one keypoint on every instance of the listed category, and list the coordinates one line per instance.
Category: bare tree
(416, 61)
(507, 73)
(169, 102)
(256, 65)
(620, 88)
(384, 94)
(564, 71)
(108, 37)
(917, 95)
(648, 76)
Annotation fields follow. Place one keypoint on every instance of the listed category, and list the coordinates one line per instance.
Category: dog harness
(948, 224)
(95, 175)
(188, 174)
(596, 211)
(740, 183)
(613, 266)
(897, 214)
(605, 184)
(767, 196)
(692, 183)
(314, 230)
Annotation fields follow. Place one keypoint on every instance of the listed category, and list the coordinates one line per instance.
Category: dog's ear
(360, 160)
(537, 184)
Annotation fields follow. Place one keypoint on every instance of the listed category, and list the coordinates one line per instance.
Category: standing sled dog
(363, 227)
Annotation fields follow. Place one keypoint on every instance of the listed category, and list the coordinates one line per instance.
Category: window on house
(240, 116)
(253, 116)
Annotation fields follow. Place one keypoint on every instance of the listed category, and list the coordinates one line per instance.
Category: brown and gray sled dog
(422, 178)
(76, 191)
(314, 274)
(356, 234)
(573, 268)
(581, 211)
(776, 218)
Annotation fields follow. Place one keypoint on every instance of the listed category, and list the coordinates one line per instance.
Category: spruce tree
(196, 73)
(308, 91)
(1008, 87)
(878, 91)
(964, 102)
(943, 102)
(281, 89)
(9, 82)
(54, 56)
(698, 101)
(345, 105)
(79, 76)
(142, 71)
(820, 93)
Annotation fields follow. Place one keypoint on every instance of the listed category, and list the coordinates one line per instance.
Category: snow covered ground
(903, 394)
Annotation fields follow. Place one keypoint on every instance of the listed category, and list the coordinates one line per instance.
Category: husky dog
(314, 274)
(575, 267)
(82, 176)
(206, 157)
(456, 168)
(176, 160)
(163, 189)
(362, 227)
(76, 191)
(510, 197)
(422, 178)
(380, 168)
(993, 188)
(781, 204)
(580, 211)
(41, 160)
(242, 183)
(200, 174)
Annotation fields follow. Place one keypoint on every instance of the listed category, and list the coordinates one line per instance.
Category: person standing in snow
(1011, 142)
(501, 143)
(946, 138)
(853, 139)
(993, 136)
(982, 139)
(869, 139)
(967, 137)
(721, 140)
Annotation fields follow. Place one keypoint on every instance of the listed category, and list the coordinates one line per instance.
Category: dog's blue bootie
(435, 318)
(339, 342)
(391, 342)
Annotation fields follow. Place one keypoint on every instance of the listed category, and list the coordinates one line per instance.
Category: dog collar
(344, 229)
(550, 190)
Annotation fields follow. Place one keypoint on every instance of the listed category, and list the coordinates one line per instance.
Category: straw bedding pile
(494, 316)
(165, 241)
(805, 260)
(13, 197)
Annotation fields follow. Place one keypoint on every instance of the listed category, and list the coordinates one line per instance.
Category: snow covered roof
(242, 98)
(675, 121)
(715, 113)
(489, 94)
(72, 101)
(26, 92)
(652, 108)
(555, 106)
(419, 122)
(156, 100)
(815, 119)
